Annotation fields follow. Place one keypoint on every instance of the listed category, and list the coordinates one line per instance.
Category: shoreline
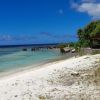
(34, 66)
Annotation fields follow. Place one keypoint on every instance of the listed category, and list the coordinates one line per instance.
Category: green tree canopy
(85, 34)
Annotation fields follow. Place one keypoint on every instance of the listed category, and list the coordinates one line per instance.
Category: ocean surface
(13, 57)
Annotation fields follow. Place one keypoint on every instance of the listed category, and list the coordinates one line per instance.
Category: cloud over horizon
(45, 36)
(8, 37)
(51, 35)
(90, 7)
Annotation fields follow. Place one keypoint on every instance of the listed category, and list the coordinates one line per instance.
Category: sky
(44, 21)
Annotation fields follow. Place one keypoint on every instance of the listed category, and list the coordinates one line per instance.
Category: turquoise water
(13, 58)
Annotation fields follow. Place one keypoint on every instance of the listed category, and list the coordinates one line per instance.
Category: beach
(69, 79)
(50, 50)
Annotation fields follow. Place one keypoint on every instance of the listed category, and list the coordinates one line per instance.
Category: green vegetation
(87, 38)
(85, 35)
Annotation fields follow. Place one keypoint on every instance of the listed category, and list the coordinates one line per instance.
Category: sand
(70, 79)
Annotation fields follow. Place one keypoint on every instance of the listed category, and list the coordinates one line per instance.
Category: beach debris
(75, 74)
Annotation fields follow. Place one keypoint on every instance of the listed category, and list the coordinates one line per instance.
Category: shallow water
(14, 58)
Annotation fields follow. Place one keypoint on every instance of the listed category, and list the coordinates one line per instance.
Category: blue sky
(44, 21)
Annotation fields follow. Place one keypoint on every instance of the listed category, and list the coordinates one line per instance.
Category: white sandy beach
(73, 79)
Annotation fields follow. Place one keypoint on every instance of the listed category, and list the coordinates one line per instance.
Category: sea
(15, 58)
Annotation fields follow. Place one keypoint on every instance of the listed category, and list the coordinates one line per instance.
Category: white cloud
(5, 37)
(91, 7)
(88, 0)
(8, 37)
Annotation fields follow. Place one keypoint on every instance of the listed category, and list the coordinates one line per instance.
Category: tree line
(87, 33)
